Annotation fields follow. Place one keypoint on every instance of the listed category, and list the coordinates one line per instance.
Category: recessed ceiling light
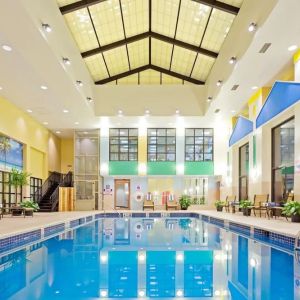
(219, 82)
(209, 99)
(120, 112)
(47, 27)
(45, 123)
(254, 87)
(44, 87)
(58, 132)
(76, 123)
(147, 112)
(252, 27)
(79, 83)
(177, 111)
(66, 61)
(6, 48)
(233, 111)
(85, 132)
(29, 111)
(1, 88)
(232, 60)
(292, 48)
(89, 99)
(65, 111)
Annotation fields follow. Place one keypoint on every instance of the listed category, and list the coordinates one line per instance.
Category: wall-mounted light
(46, 27)
(219, 82)
(252, 27)
(66, 61)
(232, 60)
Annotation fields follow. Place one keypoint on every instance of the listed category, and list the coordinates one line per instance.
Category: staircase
(48, 195)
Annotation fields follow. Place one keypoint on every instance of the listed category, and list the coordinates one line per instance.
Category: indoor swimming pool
(160, 258)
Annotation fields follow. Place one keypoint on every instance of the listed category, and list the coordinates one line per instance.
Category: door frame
(115, 193)
(241, 177)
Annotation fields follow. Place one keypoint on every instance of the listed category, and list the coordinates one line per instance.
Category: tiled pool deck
(19, 231)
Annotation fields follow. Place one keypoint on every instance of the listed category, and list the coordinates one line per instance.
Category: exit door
(122, 194)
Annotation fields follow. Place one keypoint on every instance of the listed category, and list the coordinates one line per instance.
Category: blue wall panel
(281, 97)
(242, 128)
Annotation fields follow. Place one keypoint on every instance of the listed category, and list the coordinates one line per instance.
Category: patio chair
(148, 202)
(171, 203)
(260, 204)
(228, 202)
(278, 207)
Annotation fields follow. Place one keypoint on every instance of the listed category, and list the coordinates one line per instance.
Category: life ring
(139, 196)
(138, 227)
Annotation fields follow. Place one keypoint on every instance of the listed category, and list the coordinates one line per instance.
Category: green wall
(161, 168)
(123, 168)
(199, 168)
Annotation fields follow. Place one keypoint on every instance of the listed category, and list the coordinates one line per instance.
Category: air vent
(265, 47)
(217, 110)
(235, 87)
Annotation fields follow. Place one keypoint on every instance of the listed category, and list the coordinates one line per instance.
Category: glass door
(122, 194)
(243, 171)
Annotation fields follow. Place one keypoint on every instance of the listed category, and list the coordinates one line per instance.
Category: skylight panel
(149, 77)
(139, 53)
(202, 67)
(116, 60)
(82, 30)
(136, 16)
(132, 79)
(96, 67)
(166, 79)
(218, 27)
(65, 2)
(183, 61)
(236, 3)
(161, 53)
(108, 21)
(192, 21)
(164, 16)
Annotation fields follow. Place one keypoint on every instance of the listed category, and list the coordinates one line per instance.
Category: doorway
(122, 194)
(243, 171)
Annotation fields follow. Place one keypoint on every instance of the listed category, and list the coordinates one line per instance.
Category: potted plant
(18, 179)
(245, 205)
(185, 201)
(30, 204)
(292, 209)
(219, 205)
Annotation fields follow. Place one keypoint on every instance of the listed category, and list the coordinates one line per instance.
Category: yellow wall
(67, 155)
(160, 185)
(35, 137)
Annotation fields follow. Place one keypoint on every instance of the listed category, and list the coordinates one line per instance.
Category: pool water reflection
(149, 258)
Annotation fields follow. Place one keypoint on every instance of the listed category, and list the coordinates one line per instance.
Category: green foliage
(198, 200)
(245, 203)
(30, 204)
(220, 203)
(291, 208)
(18, 178)
(185, 201)
(5, 145)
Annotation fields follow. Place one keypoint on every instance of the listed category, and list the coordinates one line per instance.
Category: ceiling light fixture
(233, 111)
(177, 111)
(219, 82)
(79, 82)
(252, 27)
(43, 87)
(147, 112)
(209, 99)
(46, 27)
(292, 48)
(89, 99)
(58, 132)
(45, 123)
(232, 60)
(6, 48)
(1, 88)
(66, 61)
(65, 111)
(29, 111)
(76, 123)
(120, 112)
(254, 88)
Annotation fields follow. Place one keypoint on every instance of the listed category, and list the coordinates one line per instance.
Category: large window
(199, 144)
(7, 191)
(161, 144)
(123, 144)
(243, 171)
(283, 138)
(35, 188)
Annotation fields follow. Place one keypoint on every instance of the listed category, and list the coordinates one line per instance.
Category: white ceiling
(36, 60)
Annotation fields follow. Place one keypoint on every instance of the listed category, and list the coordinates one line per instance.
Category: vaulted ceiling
(149, 41)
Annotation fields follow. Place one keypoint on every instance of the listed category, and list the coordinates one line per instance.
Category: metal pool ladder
(297, 248)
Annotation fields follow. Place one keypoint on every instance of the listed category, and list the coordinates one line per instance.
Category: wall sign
(107, 190)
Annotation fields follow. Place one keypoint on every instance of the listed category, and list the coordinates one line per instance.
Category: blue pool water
(149, 258)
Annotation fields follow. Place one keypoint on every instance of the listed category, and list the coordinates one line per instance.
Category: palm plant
(18, 179)
(5, 147)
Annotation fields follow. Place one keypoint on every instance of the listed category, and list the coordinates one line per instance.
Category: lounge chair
(171, 204)
(228, 202)
(148, 202)
(260, 204)
(277, 208)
